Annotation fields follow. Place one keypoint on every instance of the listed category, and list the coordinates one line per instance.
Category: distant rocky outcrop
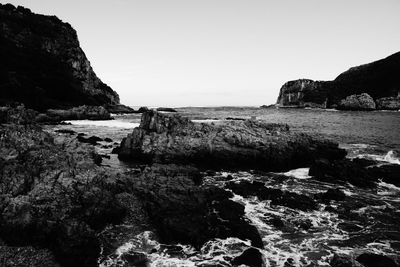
(378, 79)
(42, 64)
(302, 93)
(249, 144)
(388, 103)
(357, 102)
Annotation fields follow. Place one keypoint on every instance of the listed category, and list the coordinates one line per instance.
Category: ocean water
(374, 135)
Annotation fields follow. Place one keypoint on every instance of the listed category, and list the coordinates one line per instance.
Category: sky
(179, 53)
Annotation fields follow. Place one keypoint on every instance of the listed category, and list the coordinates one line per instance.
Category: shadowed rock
(184, 211)
(375, 260)
(341, 172)
(251, 257)
(43, 65)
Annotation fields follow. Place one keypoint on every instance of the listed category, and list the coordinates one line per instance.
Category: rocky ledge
(249, 144)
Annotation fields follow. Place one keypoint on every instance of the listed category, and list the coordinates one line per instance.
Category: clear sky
(223, 52)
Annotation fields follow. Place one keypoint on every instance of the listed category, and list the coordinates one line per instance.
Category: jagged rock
(357, 102)
(182, 211)
(251, 257)
(277, 196)
(42, 64)
(250, 144)
(342, 171)
(378, 79)
(388, 103)
(53, 195)
(375, 260)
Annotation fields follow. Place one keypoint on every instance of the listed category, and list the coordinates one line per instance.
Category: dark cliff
(378, 79)
(42, 64)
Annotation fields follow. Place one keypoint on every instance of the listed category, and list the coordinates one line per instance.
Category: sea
(372, 135)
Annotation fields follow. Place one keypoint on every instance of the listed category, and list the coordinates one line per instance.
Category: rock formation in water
(378, 79)
(42, 64)
(357, 102)
(248, 144)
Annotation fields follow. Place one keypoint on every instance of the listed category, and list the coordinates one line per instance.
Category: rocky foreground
(56, 199)
(60, 207)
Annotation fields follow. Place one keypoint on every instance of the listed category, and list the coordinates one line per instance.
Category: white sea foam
(301, 173)
(299, 246)
(105, 123)
(391, 157)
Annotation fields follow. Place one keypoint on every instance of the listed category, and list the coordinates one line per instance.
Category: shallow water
(374, 135)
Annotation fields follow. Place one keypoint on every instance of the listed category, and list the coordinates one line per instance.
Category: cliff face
(303, 93)
(43, 65)
(378, 79)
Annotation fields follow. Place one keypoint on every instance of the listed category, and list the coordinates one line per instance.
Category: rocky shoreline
(61, 207)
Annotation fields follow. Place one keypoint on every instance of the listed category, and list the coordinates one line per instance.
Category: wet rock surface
(246, 144)
(250, 257)
(184, 212)
(277, 196)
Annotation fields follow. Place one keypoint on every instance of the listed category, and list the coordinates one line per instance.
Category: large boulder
(357, 102)
(388, 103)
(248, 144)
(43, 65)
